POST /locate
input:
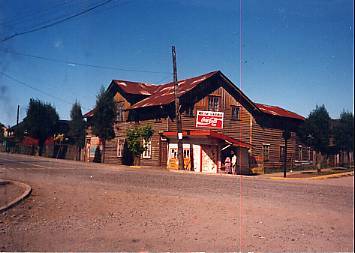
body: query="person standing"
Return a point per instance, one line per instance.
(227, 165)
(234, 163)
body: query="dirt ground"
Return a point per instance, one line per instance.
(75, 207)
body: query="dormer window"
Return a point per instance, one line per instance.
(213, 103)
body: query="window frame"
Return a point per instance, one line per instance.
(282, 152)
(120, 147)
(119, 111)
(233, 107)
(299, 153)
(189, 111)
(147, 154)
(212, 106)
(266, 158)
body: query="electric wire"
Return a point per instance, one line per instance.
(36, 89)
(74, 63)
(35, 29)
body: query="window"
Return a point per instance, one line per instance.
(310, 154)
(148, 151)
(186, 153)
(119, 111)
(282, 153)
(235, 112)
(213, 103)
(266, 152)
(299, 153)
(120, 146)
(189, 110)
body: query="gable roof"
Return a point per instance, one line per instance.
(157, 95)
(164, 94)
(278, 111)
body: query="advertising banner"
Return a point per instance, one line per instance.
(209, 119)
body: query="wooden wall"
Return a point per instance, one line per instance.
(248, 128)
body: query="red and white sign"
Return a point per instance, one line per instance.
(209, 119)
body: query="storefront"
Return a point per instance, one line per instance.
(206, 150)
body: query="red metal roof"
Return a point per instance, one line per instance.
(211, 134)
(165, 93)
(278, 111)
(136, 87)
(89, 114)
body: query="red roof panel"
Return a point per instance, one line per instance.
(278, 111)
(136, 87)
(165, 93)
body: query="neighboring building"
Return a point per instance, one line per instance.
(217, 117)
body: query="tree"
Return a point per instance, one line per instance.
(77, 128)
(1, 131)
(344, 133)
(316, 132)
(104, 117)
(137, 138)
(40, 121)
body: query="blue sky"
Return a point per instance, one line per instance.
(295, 54)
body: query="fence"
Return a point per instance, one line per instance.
(59, 151)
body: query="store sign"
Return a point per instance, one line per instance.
(209, 119)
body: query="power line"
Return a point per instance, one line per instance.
(56, 22)
(25, 16)
(36, 89)
(73, 63)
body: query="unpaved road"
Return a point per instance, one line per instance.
(86, 207)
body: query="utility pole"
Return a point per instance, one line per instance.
(286, 135)
(177, 113)
(18, 114)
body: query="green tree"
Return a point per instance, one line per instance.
(104, 117)
(1, 131)
(316, 132)
(77, 128)
(344, 133)
(40, 121)
(135, 137)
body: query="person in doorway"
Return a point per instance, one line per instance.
(234, 163)
(227, 165)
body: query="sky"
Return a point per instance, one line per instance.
(293, 54)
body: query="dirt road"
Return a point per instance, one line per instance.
(76, 206)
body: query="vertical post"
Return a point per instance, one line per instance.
(18, 114)
(177, 113)
(285, 158)
(286, 135)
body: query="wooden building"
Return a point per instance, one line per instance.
(217, 117)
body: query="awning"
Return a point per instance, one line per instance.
(208, 134)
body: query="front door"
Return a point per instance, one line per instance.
(163, 152)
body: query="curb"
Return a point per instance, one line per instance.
(337, 175)
(344, 174)
(24, 195)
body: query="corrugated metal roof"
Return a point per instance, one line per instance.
(165, 93)
(278, 111)
(136, 87)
